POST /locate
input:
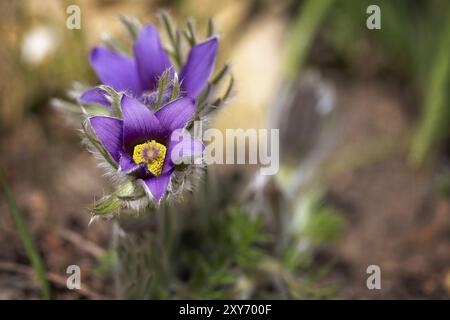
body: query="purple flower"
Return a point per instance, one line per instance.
(144, 143)
(138, 76)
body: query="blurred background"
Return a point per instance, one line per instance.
(364, 178)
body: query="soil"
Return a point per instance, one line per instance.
(395, 219)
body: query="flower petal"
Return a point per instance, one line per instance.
(109, 132)
(157, 186)
(151, 58)
(183, 148)
(199, 66)
(175, 114)
(116, 70)
(128, 166)
(139, 124)
(96, 96)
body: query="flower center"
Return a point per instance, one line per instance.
(152, 153)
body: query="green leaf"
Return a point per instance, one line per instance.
(433, 126)
(315, 221)
(110, 204)
(306, 24)
(161, 87)
(116, 45)
(132, 25)
(221, 74)
(191, 33)
(175, 87)
(30, 248)
(174, 37)
(188, 38)
(211, 28)
(107, 206)
(115, 98)
(220, 101)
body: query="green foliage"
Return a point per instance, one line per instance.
(115, 99)
(141, 268)
(434, 124)
(304, 29)
(174, 38)
(161, 87)
(105, 264)
(443, 184)
(313, 224)
(415, 40)
(215, 249)
(28, 243)
(198, 264)
(316, 222)
(232, 250)
(132, 25)
(110, 204)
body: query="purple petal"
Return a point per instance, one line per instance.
(199, 66)
(157, 186)
(183, 148)
(151, 58)
(95, 95)
(168, 165)
(116, 70)
(128, 166)
(109, 132)
(139, 124)
(175, 114)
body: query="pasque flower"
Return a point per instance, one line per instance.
(138, 76)
(147, 145)
(141, 133)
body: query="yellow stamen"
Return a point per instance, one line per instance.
(152, 153)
